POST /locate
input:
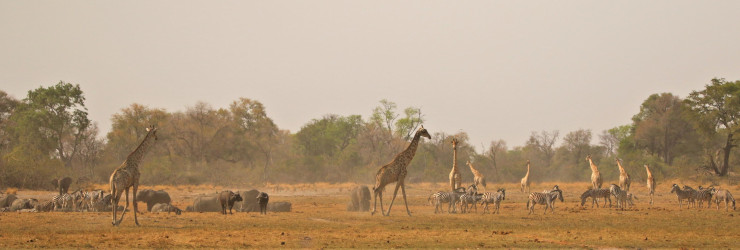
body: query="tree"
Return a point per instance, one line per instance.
(258, 129)
(717, 112)
(661, 126)
(543, 143)
(7, 107)
(54, 119)
(407, 125)
(611, 138)
(129, 127)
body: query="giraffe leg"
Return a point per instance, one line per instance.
(136, 186)
(403, 191)
(124, 208)
(375, 202)
(398, 185)
(114, 202)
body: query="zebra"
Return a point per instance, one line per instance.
(704, 194)
(445, 197)
(545, 198)
(467, 200)
(45, 207)
(693, 193)
(494, 198)
(682, 195)
(63, 201)
(595, 194)
(619, 194)
(723, 195)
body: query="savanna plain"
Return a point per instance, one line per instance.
(319, 220)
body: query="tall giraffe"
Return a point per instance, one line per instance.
(525, 180)
(395, 171)
(650, 183)
(127, 175)
(595, 175)
(624, 178)
(455, 179)
(478, 178)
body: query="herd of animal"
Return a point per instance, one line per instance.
(156, 201)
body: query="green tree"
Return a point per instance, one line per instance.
(129, 127)
(717, 113)
(610, 139)
(662, 128)
(54, 119)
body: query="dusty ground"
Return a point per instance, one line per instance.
(319, 220)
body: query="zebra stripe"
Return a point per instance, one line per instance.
(595, 194)
(682, 195)
(619, 194)
(545, 198)
(440, 198)
(704, 194)
(724, 195)
(494, 198)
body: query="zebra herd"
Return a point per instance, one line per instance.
(701, 195)
(79, 201)
(466, 200)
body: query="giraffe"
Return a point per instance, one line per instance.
(624, 178)
(127, 175)
(595, 175)
(650, 183)
(525, 180)
(455, 179)
(478, 179)
(395, 171)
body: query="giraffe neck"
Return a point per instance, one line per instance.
(141, 150)
(527, 175)
(621, 169)
(649, 174)
(454, 159)
(472, 169)
(410, 151)
(593, 167)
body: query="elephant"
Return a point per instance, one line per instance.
(250, 202)
(281, 206)
(206, 204)
(62, 184)
(359, 199)
(20, 204)
(152, 197)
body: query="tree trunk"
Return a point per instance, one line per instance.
(724, 169)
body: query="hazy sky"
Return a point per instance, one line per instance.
(494, 69)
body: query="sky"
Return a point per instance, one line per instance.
(493, 69)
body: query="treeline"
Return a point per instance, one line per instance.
(48, 134)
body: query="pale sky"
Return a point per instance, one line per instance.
(494, 69)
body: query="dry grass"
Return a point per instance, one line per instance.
(318, 220)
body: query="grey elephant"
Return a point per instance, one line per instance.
(359, 199)
(206, 204)
(62, 184)
(152, 197)
(7, 200)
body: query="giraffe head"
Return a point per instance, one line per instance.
(588, 158)
(454, 142)
(423, 132)
(467, 163)
(151, 131)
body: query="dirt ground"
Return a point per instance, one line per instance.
(319, 220)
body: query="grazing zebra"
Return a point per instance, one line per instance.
(682, 195)
(595, 194)
(704, 194)
(494, 198)
(467, 200)
(445, 197)
(723, 195)
(545, 198)
(619, 194)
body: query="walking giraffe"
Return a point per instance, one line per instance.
(395, 171)
(595, 175)
(650, 183)
(624, 178)
(127, 175)
(478, 179)
(455, 179)
(525, 180)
